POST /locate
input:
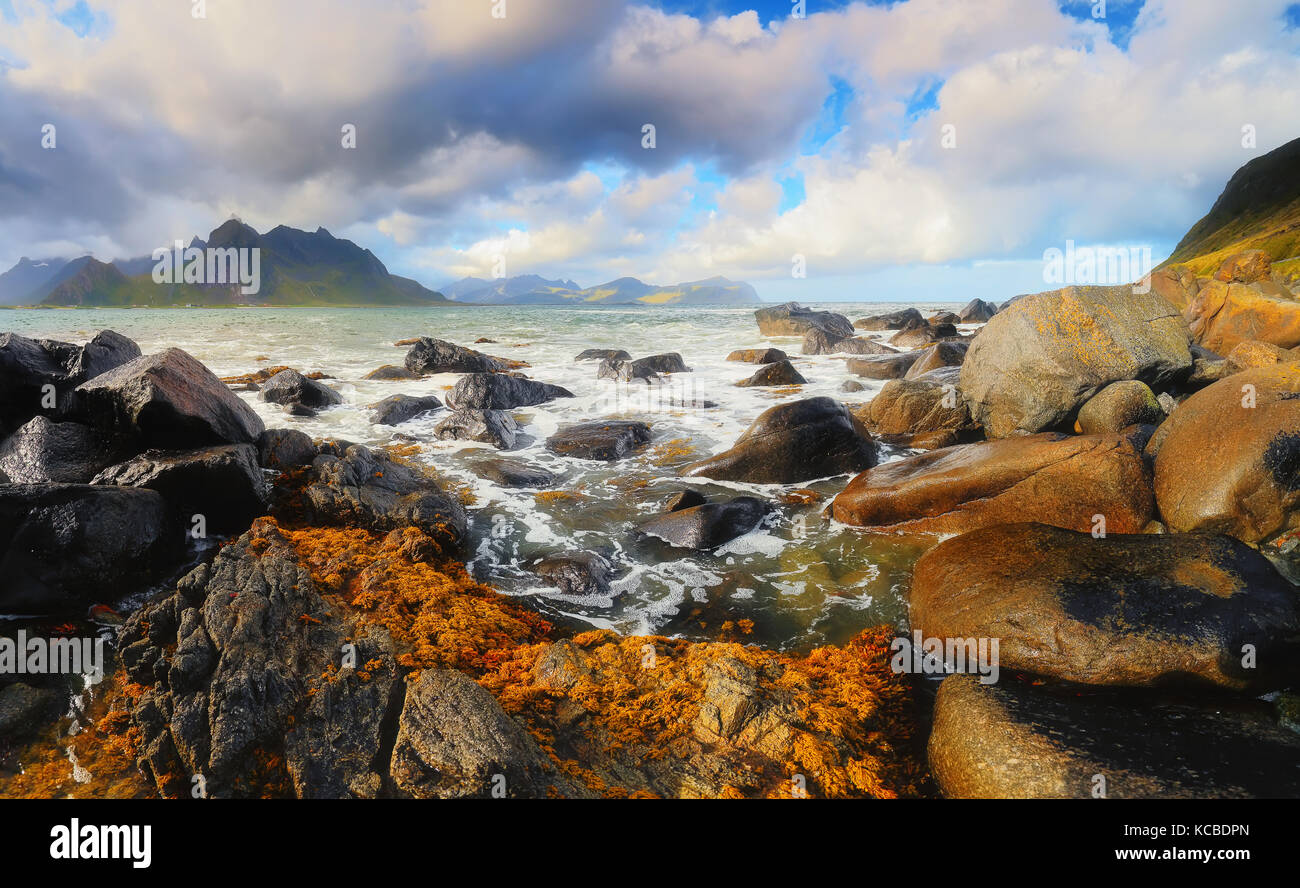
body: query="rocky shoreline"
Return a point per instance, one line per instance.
(1101, 479)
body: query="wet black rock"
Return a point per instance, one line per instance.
(63, 545)
(291, 387)
(514, 473)
(43, 450)
(576, 573)
(606, 440)
(439, 356)
(800, 441)
(904, 319)
(684, 500)
(284, 449)
(708, 526)
(780, 373)
(670, 362)
(224, 484)
(495, 427)
(397, 409)
(622, 370)
(168, 400)
(494, 391)
(603, 354)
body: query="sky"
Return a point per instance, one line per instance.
(822, 151)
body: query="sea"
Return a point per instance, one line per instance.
(799, 581)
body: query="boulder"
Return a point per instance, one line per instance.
(624, 371)
(495, 427)
(670, 362)
(606, 440)
(390, 372)
(603, 354)
(780, 373)
(684, 499)
(977, 311)
(1013, 740)
(1051, 478)
(944, 318)
(43, 450)
(1134, 610)
(818, 342)
(284, 449)
(25, 370)
(514, 473)
(429, 356)
(1245, 268)
(223, 484)
(883, 366)
(495, 391)
(800, 441)
(454, 741)
(1223, 315)
(25, 710)
(904, 319)
(1207, 367)
(575, 573)
(707, 526)
(1253, 353)
(757, 355)
(1118, 406)
(107, 350)
(63, 545)
(370, 489)
(914, 406)
(941, 354)
(291, 387)
(920, 337)
(397, 409)
(849, 386)
(1036, 362)
(168, 400)
(792, 319)
(1228, 458)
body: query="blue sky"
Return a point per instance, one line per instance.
(521, 139)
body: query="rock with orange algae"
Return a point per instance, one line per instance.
(455, 741)
(257, 682)
(1036, 362)
(370, 489)
(649, 716)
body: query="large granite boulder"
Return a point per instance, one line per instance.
(937, 356)
(977, 311)
(1036, 362)
(397, 409)
(1052, 478)
(63, 546)
(1224, 314)
(1118, 406)
(291, 387)
(495, 427)
(792, 319)
(1013, 740)
(32, 381)
(168, 400)
(883, 366)
(1228, 459)
(780, 373)
(914, 406)
(904, 319)
(801, 441)
(1122, 609)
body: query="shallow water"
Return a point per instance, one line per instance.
(802, 579)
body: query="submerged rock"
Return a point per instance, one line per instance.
(1123, 609)
(494, 391)
(495, 427)
(708, 526)
(577, 573)
(514, 473)
(606, 440)
(428, 356)
(397, 409)
(1013, 740)
(603, 354)
(780, 373)
(291, 387)
(800, 441)
(391, 371)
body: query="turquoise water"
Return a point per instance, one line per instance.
(802, 580)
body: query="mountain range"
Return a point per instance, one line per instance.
(296, 268)
(533, 290)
